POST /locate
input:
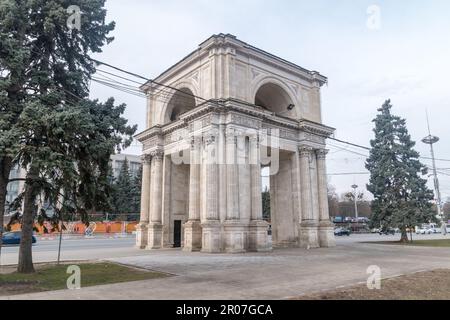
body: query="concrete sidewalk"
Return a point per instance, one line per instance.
(280, 274)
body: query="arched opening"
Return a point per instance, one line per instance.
(182, 101)
(275, 99)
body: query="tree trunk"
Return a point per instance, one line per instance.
(5, 168)
(25, 264)
(404, 237)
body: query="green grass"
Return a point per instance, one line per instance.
(421, 243)
(54, 277)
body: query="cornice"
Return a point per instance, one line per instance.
(227, 40)
(148, 133)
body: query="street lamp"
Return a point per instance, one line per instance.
(356, 204)
(432, 140)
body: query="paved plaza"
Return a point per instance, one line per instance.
(280, 274)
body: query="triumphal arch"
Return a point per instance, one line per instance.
(214, 120)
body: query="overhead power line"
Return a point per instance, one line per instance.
(128, 89)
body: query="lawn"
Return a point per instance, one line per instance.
(422, 243)
(427, 285)
(54, 277)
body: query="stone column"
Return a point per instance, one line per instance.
(258, 237)
(142, 227)
(234, 233)
(192, 228)
(326, 228)
(308, 226)
(156, 187)
(211, 223)
(232, 176)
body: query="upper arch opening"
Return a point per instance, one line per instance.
(274, 98)
(181, 102)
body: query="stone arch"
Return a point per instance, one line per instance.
(182, 100)
(275, 96)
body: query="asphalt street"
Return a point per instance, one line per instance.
(280, 274)
(75, 249)
(101, 248)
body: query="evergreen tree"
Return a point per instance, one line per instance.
(401, 197)
(136, 193)
(123, 189)
(63, 139)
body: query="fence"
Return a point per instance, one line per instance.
(93, 228)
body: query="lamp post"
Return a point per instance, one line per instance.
(432, 140)
(356, 203)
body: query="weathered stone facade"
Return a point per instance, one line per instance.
(235, 110)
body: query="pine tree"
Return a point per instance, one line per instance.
(401, 197)
(53, 130)
(136, 192)
(123, 191)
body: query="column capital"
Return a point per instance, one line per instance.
(321, 153)
(230, 137)
(209, 139)
(254, 138)
(195, 142)
(157, 154)
(305, 151)
(146, 158)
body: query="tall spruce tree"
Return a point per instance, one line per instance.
(136, 192)
(401, 196)
(123, 191)
(53, 130)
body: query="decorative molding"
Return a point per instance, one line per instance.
(321, 154)
(305, 151)
(146, 158)
(245, 121)
(209, 139)
(157, 154)
(231, 137)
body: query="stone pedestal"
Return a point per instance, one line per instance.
(141, 235)
(258, 239)
(211, 236)
(308, 232)
(235, 234)
(154, 236)
(326, 234)
(192, 236)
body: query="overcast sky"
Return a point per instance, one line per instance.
(404, 58)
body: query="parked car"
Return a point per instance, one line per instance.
(342, 232)
(362, 220)
(337, 219)
(10, 238)
(425, 231)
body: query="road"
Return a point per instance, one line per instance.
(75, 249)
(280, 274)
(102, 248)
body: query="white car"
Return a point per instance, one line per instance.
(425, 231)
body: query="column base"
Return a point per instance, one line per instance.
(235, 234)
(192, 236)
(211, 236)
(154, 236)
(258, 238)
(326, 234)
(142, 235)
(308, 232)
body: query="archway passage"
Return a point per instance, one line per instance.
(272, 97)
(181, 102)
